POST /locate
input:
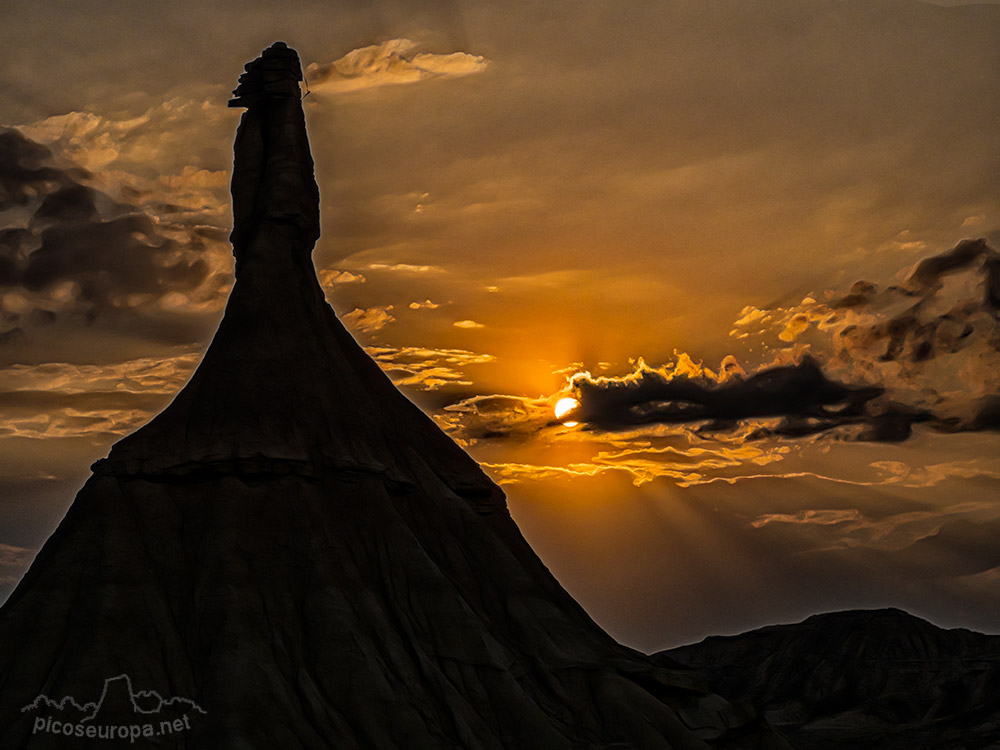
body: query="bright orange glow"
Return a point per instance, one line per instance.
(565, 405)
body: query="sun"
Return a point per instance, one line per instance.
(565, 405)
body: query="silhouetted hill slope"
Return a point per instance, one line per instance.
(861, 679)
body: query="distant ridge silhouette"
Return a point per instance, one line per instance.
(880, 679)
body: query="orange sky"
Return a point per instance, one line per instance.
(510, 198)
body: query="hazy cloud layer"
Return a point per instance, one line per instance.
(59, 400)
(159, 375)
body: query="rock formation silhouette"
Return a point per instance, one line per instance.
(296, 547)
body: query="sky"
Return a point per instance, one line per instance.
(756, 243)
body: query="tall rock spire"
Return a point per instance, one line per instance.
(275, 198)
(292, 555)
(284, 387)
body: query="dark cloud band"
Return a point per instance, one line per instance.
(801, 393)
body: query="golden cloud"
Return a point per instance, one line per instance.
(389, 63)
(58, 400)
(144, 375)
(330, 278)
(675, 455)
(403, 267)
(368, 320)
(427, 369)
(820, 517)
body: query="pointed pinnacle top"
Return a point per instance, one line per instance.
(273, 75)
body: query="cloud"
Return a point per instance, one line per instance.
(931, 474)
(86, 137)
(368, 320)
(26, 170)
(492, 416)
(108, 260)
(689, 458)
(147, 146)
(425, 305)
(58, 400)
(467, 324)
(643, 463)
(901, 531)
(800, 393)
(403, 267)
(14, 556)
(69, 249)
(930, 343)
(875, 359)
(392, 62)
(527, 427)
(428, 369)
(145, 375)
(820, 517)
(330, 277)
(512, 473)
(43, 415)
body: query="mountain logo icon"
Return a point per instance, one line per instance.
(121, 712)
